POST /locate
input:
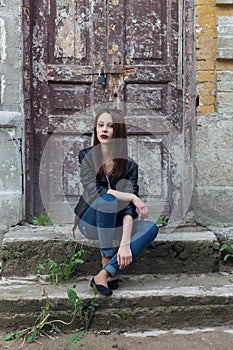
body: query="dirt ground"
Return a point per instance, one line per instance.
(205, 339)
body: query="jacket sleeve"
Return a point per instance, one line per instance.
(131, 187)
(92, 187)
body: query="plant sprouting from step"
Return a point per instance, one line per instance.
(123, 315)
(162, 220)
(61, 272)
(42, 220)
(44, 326)
(227, 248)
(84, 313)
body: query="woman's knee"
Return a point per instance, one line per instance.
(107, 203)
(145, 228)
(108, 197)
(153, 229)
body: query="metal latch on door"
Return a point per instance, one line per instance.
(102, 80)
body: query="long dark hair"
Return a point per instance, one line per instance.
(120, 147)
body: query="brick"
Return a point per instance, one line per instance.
(206, 109)
(204, 52)
(224, 103)
(224, 53)
(206, 89)
(225, 79)
(225, 92)
(225, 20)
(205, 2)
(220, 2)
(204, 40)
(224, 10)
(224, 65)
(225, 37)
(206, 16)
(203, 32)
(205, 65)
(207, 100)
(204, 76)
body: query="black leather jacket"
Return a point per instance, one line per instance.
(97, 185)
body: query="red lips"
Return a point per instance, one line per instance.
(104, 137)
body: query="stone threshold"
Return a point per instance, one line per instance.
(145, 301)
(24, 247)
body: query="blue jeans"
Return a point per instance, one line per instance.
(100, 221)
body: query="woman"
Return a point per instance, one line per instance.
(109, 206)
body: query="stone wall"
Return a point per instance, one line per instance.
(213, 195)
(11, 115)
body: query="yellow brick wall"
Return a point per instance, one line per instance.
(207, 64)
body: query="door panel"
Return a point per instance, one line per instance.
(66, 98)
(73, 26)
(146, 23)
(134, 46)
(151, 96)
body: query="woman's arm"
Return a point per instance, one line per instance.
(128, 192)
(124, 254)
(130, 197)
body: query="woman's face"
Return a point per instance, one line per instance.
(104, 128)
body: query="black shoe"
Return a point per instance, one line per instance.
(101, 289)
(113, 284)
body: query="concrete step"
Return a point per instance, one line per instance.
(141, 302)
(24, 247)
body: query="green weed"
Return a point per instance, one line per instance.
(162, 220)
(228, 249)
(43, 325)
(63, 271)
(84, 313)
(123, 315)
(42, 220)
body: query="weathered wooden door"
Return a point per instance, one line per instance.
(87, 53)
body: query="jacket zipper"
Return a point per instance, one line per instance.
(109, 185)
(107, 178)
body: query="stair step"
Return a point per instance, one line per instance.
(24, 247)
(141, 302)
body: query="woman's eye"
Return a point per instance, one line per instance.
(100, 125)
(111, 125)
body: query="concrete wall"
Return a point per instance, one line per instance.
(213, 195)
(11, 115)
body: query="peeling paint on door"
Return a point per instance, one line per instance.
(69, 27)
(2, 40)
(2, 88)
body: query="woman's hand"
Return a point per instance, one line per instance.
(124, 256)
(141, 206)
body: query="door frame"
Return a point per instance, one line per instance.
(186, 69)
